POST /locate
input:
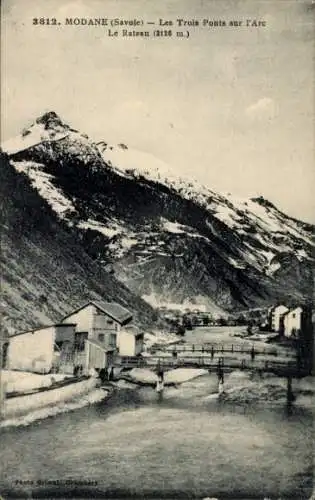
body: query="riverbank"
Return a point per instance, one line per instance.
(15, 381)
(24, 409)
(46, 401)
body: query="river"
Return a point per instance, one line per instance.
(186, 445)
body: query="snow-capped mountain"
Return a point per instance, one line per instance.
(167, 237)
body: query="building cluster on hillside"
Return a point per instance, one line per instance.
(87, 338)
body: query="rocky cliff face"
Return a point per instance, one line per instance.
(166, 238)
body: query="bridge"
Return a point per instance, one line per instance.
(220, 366)
(161, 363)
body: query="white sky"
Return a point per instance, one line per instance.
(232, 106)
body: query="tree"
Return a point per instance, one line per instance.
(222, 321)
(206, 320)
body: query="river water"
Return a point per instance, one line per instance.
(187, 444)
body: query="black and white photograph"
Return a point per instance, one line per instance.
(157, 249)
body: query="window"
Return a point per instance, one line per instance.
(101, 337)
(79, 341)
(293, 315)
(110, 322)
(62, 346)
(57, 346)
(112, 340)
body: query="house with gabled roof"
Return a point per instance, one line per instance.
(297, 321)
(99, 321)
(275, 318)
(292, 322)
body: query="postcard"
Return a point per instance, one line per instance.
(157, 247)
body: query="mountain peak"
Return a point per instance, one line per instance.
(47, 127)
(51, 120)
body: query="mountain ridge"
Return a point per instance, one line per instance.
(181, 240)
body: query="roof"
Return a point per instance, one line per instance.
(280, 305)
(38, 328)
(116, 311)
(101, 346)
(293, 310)
(133, 330)
(112, 309)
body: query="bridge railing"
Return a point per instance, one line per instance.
(216, 348)
(259, 365)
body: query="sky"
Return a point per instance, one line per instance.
(232, 107)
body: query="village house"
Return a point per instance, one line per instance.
(292, 322)
(130, 341)
(275, 318)
(100, 322)
(296, 321)
(39, 349)
(87, 338)
(97, 336)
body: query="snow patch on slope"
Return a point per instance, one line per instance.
(226, 215)
(108, 231)
(42, 182)
(135, 163)
(173, 227)
(273, 267)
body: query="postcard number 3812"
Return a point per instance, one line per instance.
(52, 21)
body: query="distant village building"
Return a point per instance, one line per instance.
(276, 315)
(293, 322)
(130, 341)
